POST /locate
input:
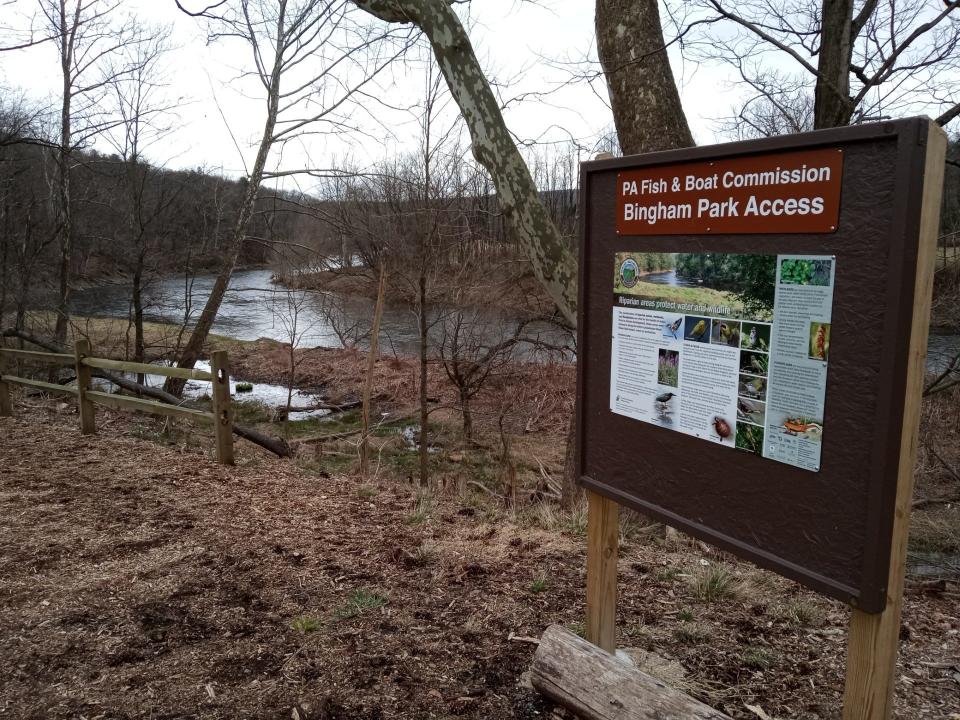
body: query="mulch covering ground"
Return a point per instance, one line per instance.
(140, 580)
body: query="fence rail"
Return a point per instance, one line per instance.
(83, 363)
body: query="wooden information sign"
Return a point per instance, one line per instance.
(756, 379)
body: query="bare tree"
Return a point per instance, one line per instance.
(860, 59)
(85, 36)
(146, 192)
(472, 348)
(309, 57)
(289, 310)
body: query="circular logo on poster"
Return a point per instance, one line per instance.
(629, 272)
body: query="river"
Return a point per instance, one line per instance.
(254, 308)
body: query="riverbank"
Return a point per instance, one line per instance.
(532, 402)
(509, 286)
(113, 338)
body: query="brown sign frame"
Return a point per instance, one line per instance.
(781, 518)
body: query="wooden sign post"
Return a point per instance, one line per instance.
(874, 638)
(761, 385)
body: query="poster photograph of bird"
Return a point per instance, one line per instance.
(752, 387)
(754, 363)
(751, 410)
(725, 332)
(750, 438)
(697, 329)
(663, 407)
(673, 328)
(755, 336)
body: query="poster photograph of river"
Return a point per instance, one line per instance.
(723, 284)
(737, 344)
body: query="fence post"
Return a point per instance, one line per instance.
(88, 420)
(6, 407)
(222, 413)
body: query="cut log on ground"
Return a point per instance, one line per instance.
(599, 686)
(278, 446)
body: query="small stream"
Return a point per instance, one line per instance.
(274, 396)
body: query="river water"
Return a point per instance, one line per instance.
(254, 308)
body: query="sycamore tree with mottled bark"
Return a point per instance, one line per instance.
(646, 108)
(551, 257)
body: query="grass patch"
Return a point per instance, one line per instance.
(306, 624)
(757, 658)
(424, 554)
(243, 387)
(251, 412)
(577, 628)
(340, 422)
(690, 634)
(668, 574)
(360, 601)
(365, 492)
(712, 583)
(576, 521)
(936, 529)
(539, 583)
(685, 615)
(422, 507)
(802, 612)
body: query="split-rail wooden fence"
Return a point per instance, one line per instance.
(84, 363)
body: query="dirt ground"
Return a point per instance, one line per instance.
(141, 580)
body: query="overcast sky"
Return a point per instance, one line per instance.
(512, 40)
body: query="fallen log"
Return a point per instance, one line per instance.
(349, 433)
(278, 446)
(599, 686)
(281, 413)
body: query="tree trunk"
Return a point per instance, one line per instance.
(139, 346)
(64, 213)
(290, 381)
(4, 270)
(570, 491)
(832, 104)
(467, 415)
(191, 352)
(368, 381)
(424, 413)
(643, 95)
(646, 108)
(553, 261)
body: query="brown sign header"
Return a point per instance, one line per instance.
(795, 192)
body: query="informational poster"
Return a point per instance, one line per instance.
(729, 348)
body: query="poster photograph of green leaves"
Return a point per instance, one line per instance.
(717, 284)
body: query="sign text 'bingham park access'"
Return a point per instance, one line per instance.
(796, 192)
